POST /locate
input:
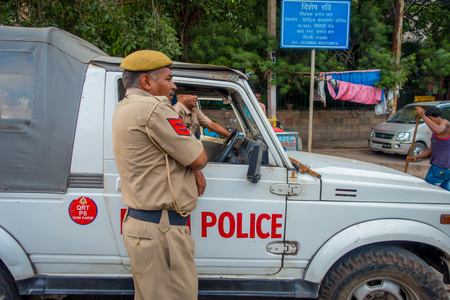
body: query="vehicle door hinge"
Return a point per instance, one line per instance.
(287, 189)
(288, 248)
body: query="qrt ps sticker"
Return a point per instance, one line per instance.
(83, 210)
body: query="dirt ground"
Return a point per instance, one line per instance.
(359, 150)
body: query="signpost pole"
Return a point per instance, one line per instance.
(271, 88)
(311, 98)
(315, 24)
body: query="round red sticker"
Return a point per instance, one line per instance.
(83, 210)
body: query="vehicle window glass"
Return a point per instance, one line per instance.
(406, 115)
(248, 120)
(446, 113)
(16, 90)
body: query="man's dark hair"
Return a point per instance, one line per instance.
(433, 112)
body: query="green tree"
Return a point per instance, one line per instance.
(233, 33)
(118, 29)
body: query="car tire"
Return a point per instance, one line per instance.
(377, 152)
(381, 272)
(419, 148)
(8, 288)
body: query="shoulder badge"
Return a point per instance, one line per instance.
(178, 126)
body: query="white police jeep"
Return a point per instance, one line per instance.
(271, 222)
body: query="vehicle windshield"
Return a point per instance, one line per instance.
(247, 119)
(406, 115)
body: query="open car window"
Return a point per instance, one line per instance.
(248, 135)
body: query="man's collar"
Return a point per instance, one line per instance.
(184, 108)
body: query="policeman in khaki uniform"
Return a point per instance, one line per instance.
(159, 163)
(193, 117)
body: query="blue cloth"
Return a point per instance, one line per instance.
(210, 133)
(437, 175)
(367, 77)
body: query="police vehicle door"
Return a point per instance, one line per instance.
(238, 226)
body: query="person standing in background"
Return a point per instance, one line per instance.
(439, 172)
(258, 97)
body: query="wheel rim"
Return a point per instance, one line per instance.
(418, 149)
(383, 289)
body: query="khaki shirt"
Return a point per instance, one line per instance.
(141, 165)
(192, 119)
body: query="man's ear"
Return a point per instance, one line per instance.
(146, 82)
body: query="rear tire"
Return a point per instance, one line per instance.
(8, 288)
(381, 272)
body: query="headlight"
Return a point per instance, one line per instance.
(402, 136)
(372, 133)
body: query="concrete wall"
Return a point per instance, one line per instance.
(327, 124)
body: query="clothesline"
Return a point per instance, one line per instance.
(353, 86)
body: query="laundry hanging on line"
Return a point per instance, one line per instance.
(356, 86)
(321, 88)
(355, 92)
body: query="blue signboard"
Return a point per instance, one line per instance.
(315, 24)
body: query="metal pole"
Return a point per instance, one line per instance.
(311, 98)
(413, 141)
(272, 29)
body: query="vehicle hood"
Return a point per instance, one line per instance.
(394, 127)
(346, 179)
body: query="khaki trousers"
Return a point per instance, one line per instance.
(162, 259)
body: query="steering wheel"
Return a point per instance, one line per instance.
(224, 151)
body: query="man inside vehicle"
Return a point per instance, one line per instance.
(193, 117)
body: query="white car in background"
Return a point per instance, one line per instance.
(396, 134)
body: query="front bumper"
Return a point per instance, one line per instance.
(389, 146)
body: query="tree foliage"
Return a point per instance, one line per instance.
(233, 33)
(116, 28)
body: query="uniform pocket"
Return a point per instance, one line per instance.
(139, 240)
(140, 232)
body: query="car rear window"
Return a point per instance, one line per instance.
(16, 90)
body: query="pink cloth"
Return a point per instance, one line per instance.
(356, 93)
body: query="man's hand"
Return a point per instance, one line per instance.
(410, 159)
(200, 181)
(420, 111)
(218, 129)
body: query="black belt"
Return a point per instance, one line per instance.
(154, 216)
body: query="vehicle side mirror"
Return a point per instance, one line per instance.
(254, 165)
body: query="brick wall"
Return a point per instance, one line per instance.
(327, 124)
